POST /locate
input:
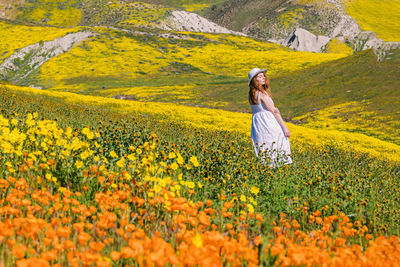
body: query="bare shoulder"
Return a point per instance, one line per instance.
(265, 96)
(267, 100)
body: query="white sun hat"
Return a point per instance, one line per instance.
(254, 72)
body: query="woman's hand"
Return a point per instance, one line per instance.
(286, 132)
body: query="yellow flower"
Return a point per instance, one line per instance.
(191, 185)
(243, 198)
(48, 176)
(113, 154)
(157, 188)
(131, 157)
(62, 189)
(171, 155)
(127, 175)
(180, 160)
(199, 185)
(197, 241)
(194, 160)
(254, 190)
(250, 208)
(252, 201)
(85, 155)
(89, 134)
(174, 166)
(79, 164)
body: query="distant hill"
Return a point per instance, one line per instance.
(360, 24)
(106, 58)
(340, 24)
(71, 13)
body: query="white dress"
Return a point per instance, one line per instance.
(268, 138)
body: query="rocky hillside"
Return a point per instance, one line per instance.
(339, 26)
(315, 26)
(150, 16)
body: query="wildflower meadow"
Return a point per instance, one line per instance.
(125, 140)
(89, 185)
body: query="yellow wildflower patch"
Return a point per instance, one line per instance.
(232, 121)
(381, 17)
(14, 36)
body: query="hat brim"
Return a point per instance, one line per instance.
(255, 74)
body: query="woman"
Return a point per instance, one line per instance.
(269, 132)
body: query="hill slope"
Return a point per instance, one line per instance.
(348, 20)
(115, 58)
(373, 85)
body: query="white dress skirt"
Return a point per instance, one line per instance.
(269, 141)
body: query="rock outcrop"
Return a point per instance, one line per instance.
(303, 40)
(186, 21)
(31, 57)
(344, 28)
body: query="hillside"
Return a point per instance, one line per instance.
(150, 16)
(368, 88)
(120, 60)
(357, 23)
(326, 26)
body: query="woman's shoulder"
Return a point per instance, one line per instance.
(264, 95)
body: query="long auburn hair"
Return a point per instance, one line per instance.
(255, 86)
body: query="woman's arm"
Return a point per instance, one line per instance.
(267, 101)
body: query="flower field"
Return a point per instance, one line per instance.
(353, 117)
(92, 181)
(51, 12)
(212, 119)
